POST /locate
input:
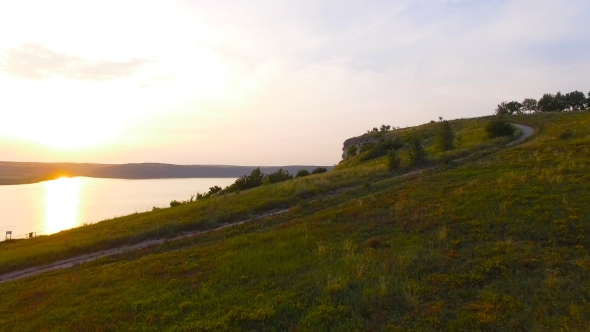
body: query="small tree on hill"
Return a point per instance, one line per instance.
(214, 191)
(499, 128)
(529, 105)
(575, 100)
(416, 148)
(279, 176)
(502, 109)
(393, 160)
(445, 137)
(514, 107)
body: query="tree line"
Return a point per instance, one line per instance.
(255, 179)
(571, 101)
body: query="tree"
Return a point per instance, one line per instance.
(514, 107)
(214, 191)
(416, 148)
(255, 178)
(547, 103)
(385, 127)
(560, 102)
(529, 105)
(393, 160)
(445, 137)
(499, 128)
(279, 176)
(246, 181)
(576, 100)
(301, 173)
(502, 109)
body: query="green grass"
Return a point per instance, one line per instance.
(496, 242)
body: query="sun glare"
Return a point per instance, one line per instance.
(62, 197)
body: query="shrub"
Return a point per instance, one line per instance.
(175, 203)
(319, 170)
(416, 148)
(374, 242)
(567, 135)
(499, 128)
(279, 176)
(301, 173)
(367, 146)
(380, 149)
(246, 181)
(352, 151)
(214, 191)
(393, 160)
(445, 137)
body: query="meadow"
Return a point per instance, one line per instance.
(484, 238)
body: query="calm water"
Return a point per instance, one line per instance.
(51, 206)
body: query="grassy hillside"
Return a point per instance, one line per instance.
(495, 241)
(218, 211)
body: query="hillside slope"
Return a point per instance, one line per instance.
(494, 240)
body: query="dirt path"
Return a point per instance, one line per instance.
(526, 133)
(69, 262)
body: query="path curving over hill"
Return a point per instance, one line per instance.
(70, 262)
(526, 133)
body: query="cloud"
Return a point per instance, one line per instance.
(34, 61)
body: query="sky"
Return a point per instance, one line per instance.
(266, 82)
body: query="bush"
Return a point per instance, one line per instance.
(279, 176)
(445, 137)
(567, 135)
(352, 151)
(393, 160)
(175, 203)
(301, 173)
(499, 128)
(319, 170)
(416, 148)
(367, 146)
(374, 242)
(246, 182)
(380, 149)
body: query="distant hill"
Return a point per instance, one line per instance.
(22, 172)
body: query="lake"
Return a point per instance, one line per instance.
(52, 206)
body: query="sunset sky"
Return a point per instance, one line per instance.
(266, 82)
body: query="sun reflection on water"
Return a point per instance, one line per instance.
(62, 197)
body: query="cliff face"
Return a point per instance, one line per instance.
(358, 142)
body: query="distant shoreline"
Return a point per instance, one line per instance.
(15, 173)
